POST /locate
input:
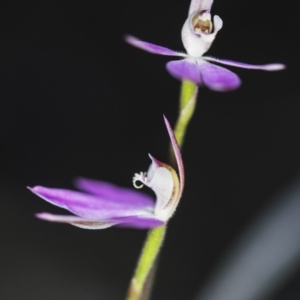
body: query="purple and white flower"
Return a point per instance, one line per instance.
(103, 204)
(198, 33)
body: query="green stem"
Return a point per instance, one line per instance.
(188, 100)
(141, 283)
(146, 262)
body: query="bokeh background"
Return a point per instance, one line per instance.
(76, 100)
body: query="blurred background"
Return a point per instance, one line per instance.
(76, 100)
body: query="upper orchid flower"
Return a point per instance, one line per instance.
(198, 33)
(104, 204)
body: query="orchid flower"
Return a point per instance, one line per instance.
(103, 204)
(197, 34)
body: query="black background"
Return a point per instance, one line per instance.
(75, 99)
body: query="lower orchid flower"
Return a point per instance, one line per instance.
(197, 34)
(103, 204)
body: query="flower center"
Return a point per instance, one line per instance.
(202, 23)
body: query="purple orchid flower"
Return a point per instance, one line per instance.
(102, 205)
(197, 34)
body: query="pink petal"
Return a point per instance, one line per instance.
(112, 192)
(184, 70)
(152, 48)
(268, 67)
(90, 206)
(217, 78)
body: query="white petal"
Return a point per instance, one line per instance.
(197, 43)
(200, 5)
(153, 166)
(192, 42)
(218, 24)
(162, 184)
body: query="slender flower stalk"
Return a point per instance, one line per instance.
(141, 283)
(142, 278)
(188, 98)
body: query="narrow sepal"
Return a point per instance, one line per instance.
(152, 48)
(267, 67)
(76, 221)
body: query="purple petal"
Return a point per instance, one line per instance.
(200, 5)
(111, 192)
(217, 78)
(76, 221)
(89, 206)
(184, 70)
(139, 222)
(268, 67)
(152, 48)
(177, 155)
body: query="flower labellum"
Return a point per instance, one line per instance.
(101, 204)
(198, 33)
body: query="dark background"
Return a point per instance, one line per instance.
(76, 100)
